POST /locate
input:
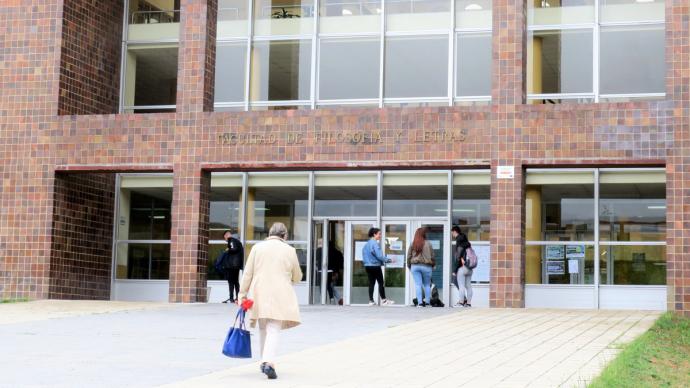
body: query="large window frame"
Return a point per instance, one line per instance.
(126, 43)
(595, 27)
(597, 243)
(316, 36)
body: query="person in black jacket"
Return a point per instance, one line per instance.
(459, 254)
(232, 264)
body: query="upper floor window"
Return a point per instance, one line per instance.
(578, 55)
(362, 52)
(150, 47)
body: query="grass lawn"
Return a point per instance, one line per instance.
(13, 300)
(658, 358)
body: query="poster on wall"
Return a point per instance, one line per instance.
(555, 267)
(359, 245)
(397, 261)
(396, 245)
(575, 251)
(555, 252)
(483, 270)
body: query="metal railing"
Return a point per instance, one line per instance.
(155, 17)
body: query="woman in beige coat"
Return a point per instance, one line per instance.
(272, 268)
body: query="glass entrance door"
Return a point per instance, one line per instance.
(438, 235)
(328, 262)
(357, 234)
(396, 237)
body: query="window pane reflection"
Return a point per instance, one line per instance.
(638, 265)
(231, 62)
(407, 58)
(281, 70)
(632, 59)
(473, 65)
(283, 17)
(349, 68)
(272, 200)
(559, 61)
(348, 16)
(417, 15)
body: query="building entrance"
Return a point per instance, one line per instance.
(337, 274)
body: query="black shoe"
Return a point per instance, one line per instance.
(424, 304)
(269, 371)
(226, 300)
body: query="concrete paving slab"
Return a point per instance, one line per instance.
(111, 344)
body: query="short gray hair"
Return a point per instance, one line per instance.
(278, 229)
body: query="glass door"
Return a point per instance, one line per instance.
(437, 234)
(357, 234)
(396, 239)
(317, 292)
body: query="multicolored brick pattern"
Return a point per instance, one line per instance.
(82, 241)
(678, 163)
(90, 57)
(36, 141)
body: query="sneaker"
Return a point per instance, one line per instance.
(387, 302)
(372, 303)
(468, 305)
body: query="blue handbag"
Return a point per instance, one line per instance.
(237, 343)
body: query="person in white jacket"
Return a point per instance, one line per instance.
(272, 268)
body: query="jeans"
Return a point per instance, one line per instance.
(375, 276)
(465, 283)
(422, 277)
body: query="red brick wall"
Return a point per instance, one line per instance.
(90, 57)
(81, 253)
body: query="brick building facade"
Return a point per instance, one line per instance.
(61, 141)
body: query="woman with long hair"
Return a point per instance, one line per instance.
(420, 261)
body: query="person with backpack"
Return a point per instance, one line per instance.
(420, 262)
(466, 262)
(230, 263)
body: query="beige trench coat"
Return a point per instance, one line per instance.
(272, 268)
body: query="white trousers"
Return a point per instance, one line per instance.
(269, 331)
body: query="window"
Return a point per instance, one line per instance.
(632, 227)
(150, 57)
(407, 57)
(559, 227)
(349, 69)
(231, 64)
(298, 58)
(561, 231)
(347, 195)
(144, 224)
(628, 37)
(415, 195)
(281, 70)
(279, 198)
(473, 65)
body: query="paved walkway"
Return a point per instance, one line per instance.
(471, 348)
(106, 344)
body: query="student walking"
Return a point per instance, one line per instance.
(373, 259)
(233, 264)
(420, 261)
(462, 270)
(272, 269)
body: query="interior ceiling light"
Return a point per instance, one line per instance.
(347, 12)
(473, 7)
(644, 1)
